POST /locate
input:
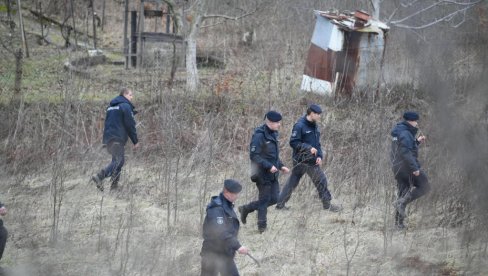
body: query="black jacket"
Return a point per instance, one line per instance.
(220, 227)
(304, 136)
(1, 221)
(119, 122)
(404, 148)
(264, 151)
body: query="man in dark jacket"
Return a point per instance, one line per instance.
(307, 158)
(220, 229)
(3, 231)
(119, 127)
(264, 154)
(406, 167)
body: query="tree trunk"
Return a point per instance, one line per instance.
(93, 25)
(194, 21)
(191, 60)
(22, 31)
(376, 9)
(19, 55)
(74, 22)
(17, 99)
(103, 14)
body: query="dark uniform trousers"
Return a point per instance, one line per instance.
(315, 173)
(405, 180)
(215, 263)
(269, 190)
(117, 150)
(3, 238)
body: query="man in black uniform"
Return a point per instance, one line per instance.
(3, 230)
(264, 154)
(307, 158)
(220, 230)
(406, 167)
(119, 126)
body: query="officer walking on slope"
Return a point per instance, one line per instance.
(119, 126)
(220, 229)
(405, 165)
(264, 154)
(307, 158)
(3, 232)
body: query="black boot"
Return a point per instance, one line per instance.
(115, 182)
(262, 225)
(331, 207)
(401, 204)
(244, 214)
(98, 179)
(282, 207)
(399, 222)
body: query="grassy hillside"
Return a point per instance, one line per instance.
(60, 224)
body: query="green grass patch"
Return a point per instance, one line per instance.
(39, 79)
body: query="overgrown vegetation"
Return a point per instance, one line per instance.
(191, 142)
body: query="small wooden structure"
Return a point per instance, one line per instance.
(346, 51)
(147, 9)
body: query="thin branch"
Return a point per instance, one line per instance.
(207, 16)
(406, 5)
(415, 13)
(372, 4)
(470, 4)
(392, 14)
(191, 6)
(225, 17)
(212, 25)
(445, 18)
(461, 22)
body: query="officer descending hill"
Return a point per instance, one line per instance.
(3, 234)
(412, 182)
(264, 154)
(220, 229)
(307, 158)
(119, 126)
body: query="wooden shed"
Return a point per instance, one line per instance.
(346, 52)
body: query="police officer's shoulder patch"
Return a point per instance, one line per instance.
(253, 148)
(220, 220)
(294, 133)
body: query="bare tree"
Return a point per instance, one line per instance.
(198, 12)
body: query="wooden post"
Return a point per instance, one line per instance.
(39, 9)
(22, 32)
(94, 25)
(74, 23)
(168, 22)
(103, 13)
(126, 50)
(140, 29)
(133, 38)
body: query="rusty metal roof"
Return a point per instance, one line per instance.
(358, 21)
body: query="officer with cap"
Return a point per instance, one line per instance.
(264, 154)
(220, 229)
(406, 167)
(307, 158)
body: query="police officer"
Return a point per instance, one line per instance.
(307, 158)
(119, 126)
(3, 231)
(406, 167)
(220, 230)
(264, 154)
